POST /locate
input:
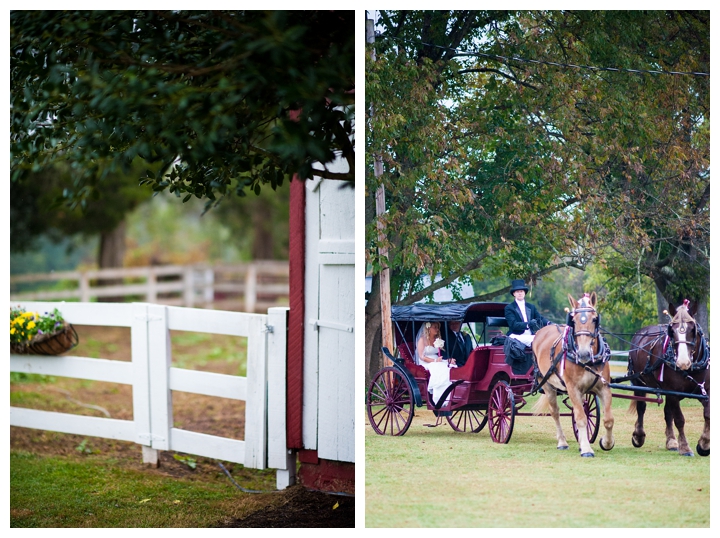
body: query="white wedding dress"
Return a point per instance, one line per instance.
(439, 371)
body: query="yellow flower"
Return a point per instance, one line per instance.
(31, 325)
(12, 330)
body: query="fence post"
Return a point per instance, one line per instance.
(251, 288)
(209, 290)
(151, 279)
(84, 287)
(255, 405)
(278, 455)
(141, 382)
(159, 361)
(189, 286)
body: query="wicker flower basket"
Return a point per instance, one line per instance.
(48, 344)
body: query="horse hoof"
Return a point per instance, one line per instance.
(673, 449)
(566, 447)
(689, 454)
(701, 451)
(603, 446)
(637, 443)
(587, 455)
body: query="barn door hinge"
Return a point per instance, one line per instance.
(317, 323)
(268, 328)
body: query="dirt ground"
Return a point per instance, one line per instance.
(294, 507)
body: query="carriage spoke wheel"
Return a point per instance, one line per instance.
(592, 413)
(501, 412)
(472, 420)
(390, 405)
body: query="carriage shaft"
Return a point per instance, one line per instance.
(654, 391)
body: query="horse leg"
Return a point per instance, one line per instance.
(703, 446)
(607, 442)
(638, 436)
(576, 398)
(683, 446)
(671, 442)
(551, 395)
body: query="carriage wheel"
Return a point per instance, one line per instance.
(501, 412)
(390, 405)
(592, 413)
(465, 420)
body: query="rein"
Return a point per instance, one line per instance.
(569, 351)
(603, 353)
(668, 358)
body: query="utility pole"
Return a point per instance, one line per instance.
(387, 339)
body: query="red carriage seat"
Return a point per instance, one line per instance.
(416, 370)
(475, 367)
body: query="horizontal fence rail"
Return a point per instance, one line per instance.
(153, 378)
(250, 287)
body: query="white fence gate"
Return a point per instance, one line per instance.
(153, 378)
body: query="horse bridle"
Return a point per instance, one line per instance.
(697, 363)
(603, 351)
(569, 350)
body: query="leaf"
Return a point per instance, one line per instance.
(336, 505)
(144, 501)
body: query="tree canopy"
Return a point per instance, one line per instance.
(518, 142)
(222, 101)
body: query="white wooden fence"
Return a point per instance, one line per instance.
(153, 378)
(250, 287)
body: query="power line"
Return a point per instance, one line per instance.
(546, 62)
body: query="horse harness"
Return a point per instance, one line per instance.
(702, 362)
(569, 352)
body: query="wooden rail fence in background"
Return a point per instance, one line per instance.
(248, 287)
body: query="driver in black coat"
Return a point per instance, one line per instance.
(523, 318)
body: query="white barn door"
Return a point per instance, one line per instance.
(329, 370)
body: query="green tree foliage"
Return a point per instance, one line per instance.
(544, 163)
(36, 211)
(501, 163)
(223, 101)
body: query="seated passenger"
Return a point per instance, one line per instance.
(459, 345)
(428, 354)
(523, 318)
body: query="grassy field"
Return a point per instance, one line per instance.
(436, 477)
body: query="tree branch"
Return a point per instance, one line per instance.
(491, 70)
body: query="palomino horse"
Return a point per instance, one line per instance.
(674, 358)
(574, 358)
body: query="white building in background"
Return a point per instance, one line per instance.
(443, 295)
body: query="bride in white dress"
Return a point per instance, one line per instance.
(428, 354)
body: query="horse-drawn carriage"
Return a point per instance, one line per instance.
(570, 360)
(485, 389)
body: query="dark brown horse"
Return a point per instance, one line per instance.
(675, 358)
(574, 358)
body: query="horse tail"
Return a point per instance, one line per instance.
(632, 410)
(542, 406)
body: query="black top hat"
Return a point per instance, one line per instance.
(518, 285)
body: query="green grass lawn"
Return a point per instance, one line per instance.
(435, 477)
(48, 491)
(60, 480)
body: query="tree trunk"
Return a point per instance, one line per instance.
(373, 332)
(662, 304)
(262, 221)
(112, 254)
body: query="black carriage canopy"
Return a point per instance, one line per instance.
(467, 312)
(407, 319)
